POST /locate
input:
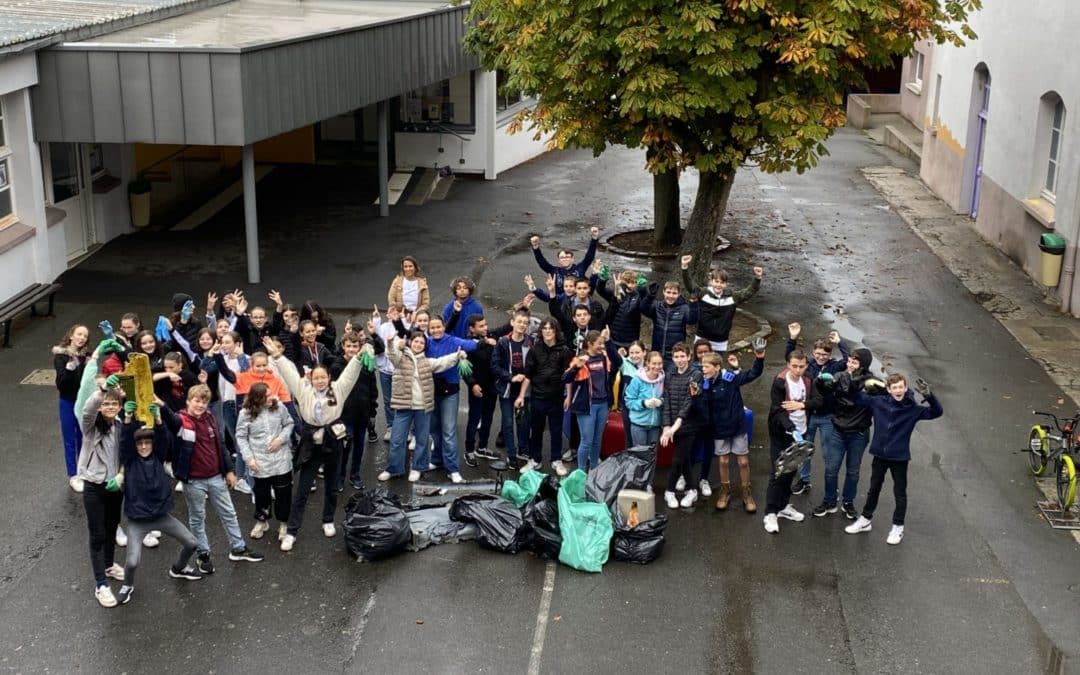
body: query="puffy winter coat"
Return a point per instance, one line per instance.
(412, 371)
(624, 311)
(254, 435)
(669, 321)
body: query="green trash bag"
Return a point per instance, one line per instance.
(585, 526)
(522, 491)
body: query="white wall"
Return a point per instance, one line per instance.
(415, 149)
(511, 150)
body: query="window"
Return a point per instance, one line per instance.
(505, 97)
(7, 205)
(920, 63)
(1057, 124)
(442, 104)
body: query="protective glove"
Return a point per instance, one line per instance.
(129, 407)
(155, 410)
(826, 377)
(112, 381)
(642, 280)
(605, 273)
(107, 330)
(464, 368)
(108, 346)
(922, 386)
(161, 331)
(759, 345)
(653, 403)
(797, 436)
(873, 383)
(187, 310)
(115, 484)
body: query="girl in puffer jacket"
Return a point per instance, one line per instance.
(262, 437)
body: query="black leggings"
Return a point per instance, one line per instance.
(329, 460)
(281, 502)
(102, 518)
(778, 493)
(899, 487)
(683, 465)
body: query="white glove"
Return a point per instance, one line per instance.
(653, 403)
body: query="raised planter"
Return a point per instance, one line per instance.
(638, 244)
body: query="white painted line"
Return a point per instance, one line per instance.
(542, 619)
(396, 187)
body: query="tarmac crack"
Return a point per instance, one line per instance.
(358, 630)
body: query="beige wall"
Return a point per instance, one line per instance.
(913, 97)
(1003, 222)
(942, 167)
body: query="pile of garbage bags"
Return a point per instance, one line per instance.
(576, 521)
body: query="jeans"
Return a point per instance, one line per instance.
(847, 445)
(281, 501)
(228, 430)
(69, 429)
(592, 433)
(877, 478)
(778, 493)
(136, 530)
(196, 492)
(815, 423)
(481, 415)
(102, 518)
(549, 411)
(444, 432)
(329, 462)
(419, 421)
(386, 384)
(354, 448)
(644, 435)
(515, 445)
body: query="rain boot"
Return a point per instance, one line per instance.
(725, 496)
(748, 498)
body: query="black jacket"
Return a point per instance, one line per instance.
(147, 489)
(544, 368)
(848, 415)
(563, 312)
(623, 313)
(69, 370)
(717, 312)
(482, 374)
(780, 424)
(683, 399)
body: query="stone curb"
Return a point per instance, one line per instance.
(605, 241)
(764, 330)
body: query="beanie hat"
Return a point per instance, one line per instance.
(864, 357)
(178, 301)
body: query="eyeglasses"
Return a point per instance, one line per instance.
(818, 352)
(110, 404)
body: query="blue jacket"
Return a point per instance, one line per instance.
(669, 321)
(579, 269)
(457, 323)
(895, 420)
(147, 489)
(623, 313)
(723, 396)
(447, 344)
(636, 393)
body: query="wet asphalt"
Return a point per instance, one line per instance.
(980, 583)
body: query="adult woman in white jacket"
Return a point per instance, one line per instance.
(262, 437)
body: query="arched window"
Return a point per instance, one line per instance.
(1055, 110)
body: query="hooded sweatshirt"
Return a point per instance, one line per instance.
(848, 415)
(641, 389)
(147, 489)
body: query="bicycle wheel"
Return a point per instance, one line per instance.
(1066, 482)
(1038, 450)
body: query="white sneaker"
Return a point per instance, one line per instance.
(114, 571)
(681, 485)
(791, 513)
(670, 500)
(77, 484)
(179, 487)
(282, 530)
(688, 499)
(152, 539)
(105, 597)
(455, 477)
(431, 467)
(169, 470)
(328, 529)
(772, 526)
(121, 537)
(895, 535)
(287, 542)
(862, 524)
(705, 489)
(649, 489)
(529, 466)
(384, 476)
(242, 486)
(386, 436)
(412, 442)
(570, 455)
(560, 468)
(414, 476)
(261, 526)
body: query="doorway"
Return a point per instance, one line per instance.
(68, 188)
(977, 134)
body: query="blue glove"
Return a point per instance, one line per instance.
(797, 436)
(107, 329)
(826, 377)
(187, 310)
(161, 331)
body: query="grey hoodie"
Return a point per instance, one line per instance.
(99, 456)
(253, 437)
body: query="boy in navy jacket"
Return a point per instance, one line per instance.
(567, 266)
(895, 417)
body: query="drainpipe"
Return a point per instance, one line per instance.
(1068, 268)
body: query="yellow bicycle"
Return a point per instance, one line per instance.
(1062, 447)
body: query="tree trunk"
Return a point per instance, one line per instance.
(666, 226)
(710, 205)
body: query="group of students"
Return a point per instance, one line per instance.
(263, 401)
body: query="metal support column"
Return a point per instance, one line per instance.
(384, 160)
(251, 219)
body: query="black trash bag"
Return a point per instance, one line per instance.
(542, 515)
(549, 488)
(500, 523)
(642, 544)
(375, 525)
(629, 469)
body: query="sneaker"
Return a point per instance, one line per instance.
(114, 571)
(282, 530)
(772, 526)
(670, 500)
(559, 468)
(471, 459)
(242, 486)
(205, 565)
(104, 596)
(245, 554)
(121, 537)
(824, 509)
(412, 442)
(414, 476)
(328, 529)
(455, 477)
(649, 489)
(169, 470)
(896, 534)
(570, 455)
(705, 489)
(287, 542)
(849, 511)
(433, 467)
(356, 483)
(77, 484)
(791, 513)
(179, 487)
(314, 486)
(528, 466)
(387, 436)
(800, 486)
(189, 572)
(261, 526)
(681, 485)
(385, 476)
(484, 453)
(688, 499)
(863, 524)
(152, 539)
(124, 594)
(372, 436)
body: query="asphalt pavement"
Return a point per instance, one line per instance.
(979, 584)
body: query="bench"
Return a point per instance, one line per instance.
(27, 299)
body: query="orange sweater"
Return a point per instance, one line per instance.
(273, 382)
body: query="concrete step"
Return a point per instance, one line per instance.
(442, 187)
(422, 187)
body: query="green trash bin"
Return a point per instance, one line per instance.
(1052, 246)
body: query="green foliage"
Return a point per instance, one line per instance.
(709, 85)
